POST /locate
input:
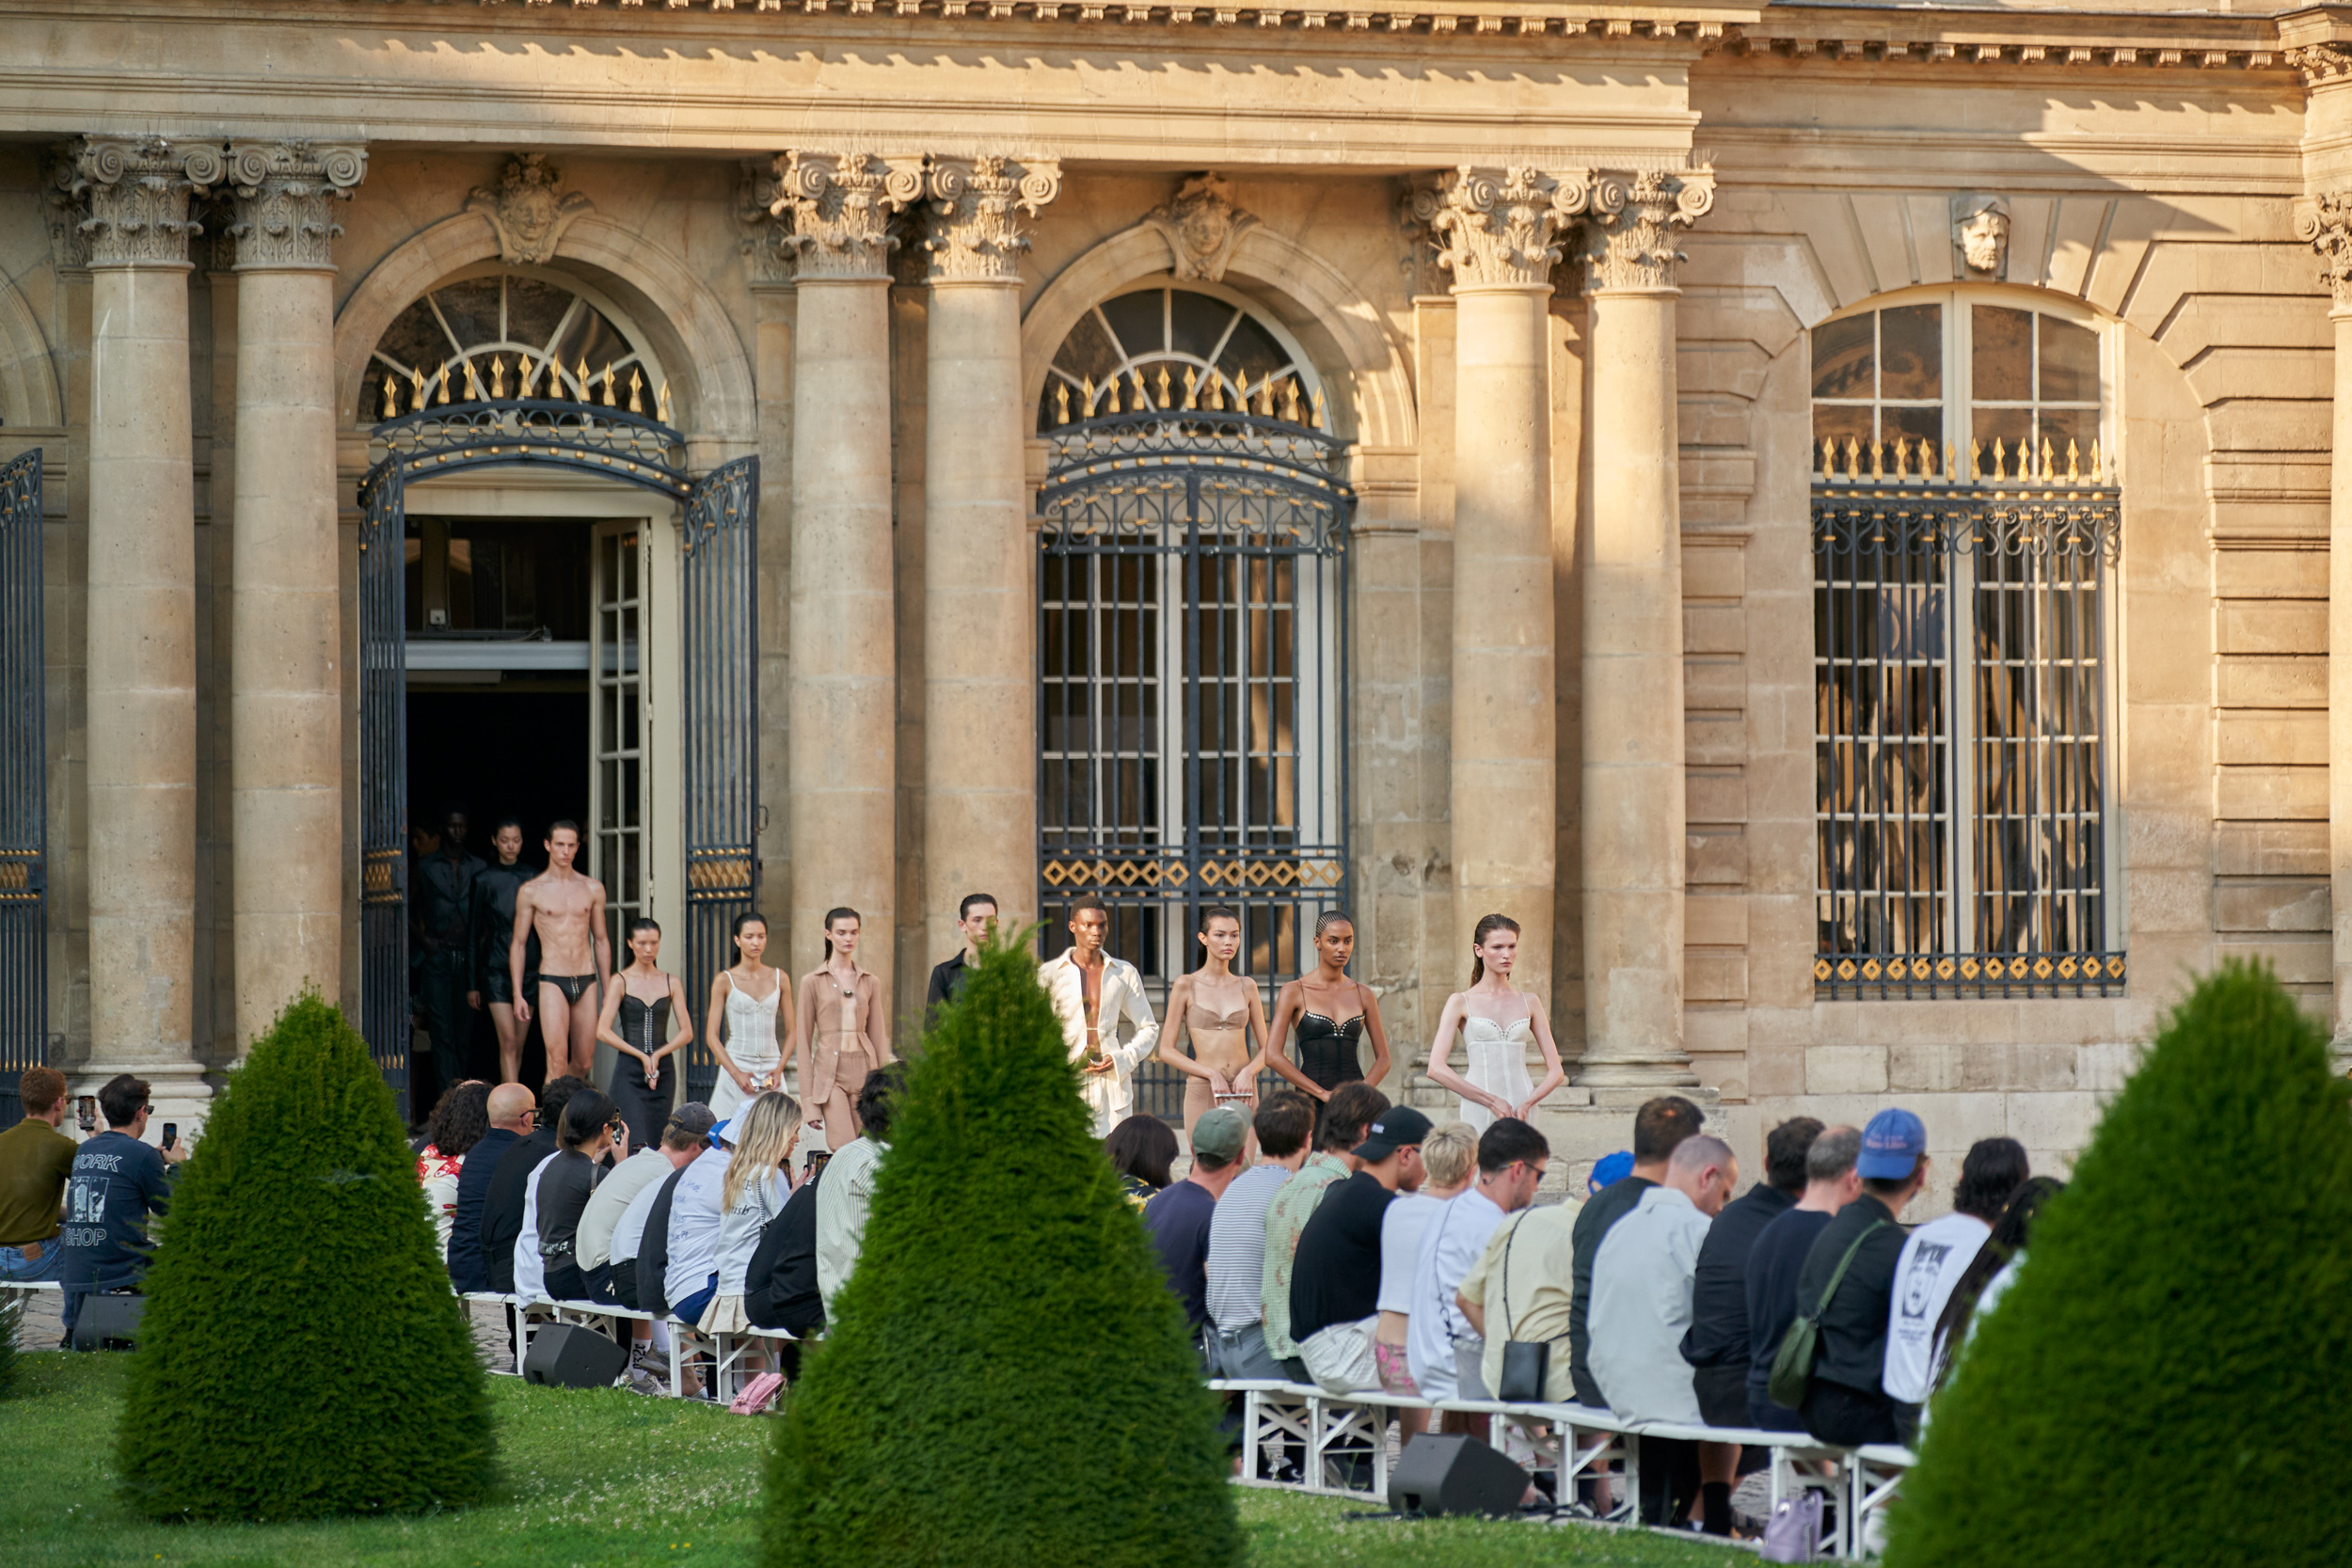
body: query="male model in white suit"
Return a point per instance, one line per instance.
(1092, 992)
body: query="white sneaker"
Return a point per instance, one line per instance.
(644, 1382)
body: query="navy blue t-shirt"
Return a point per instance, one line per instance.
(116, 1182)
(1178, 1218)
(468, 1271)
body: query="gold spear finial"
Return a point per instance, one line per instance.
(1192, 387)
(391, 397)
(526, 371)
(1061, 402)
(1086, 392)
(444, 397)
(662, 403)
(1163, 378)
(473, 383)
(636, 381)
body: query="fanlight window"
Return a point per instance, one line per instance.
(507, 335)
(1177, 348)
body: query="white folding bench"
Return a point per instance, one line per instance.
(1585, 1441)
(1275, 1414)
(1786, 1449)
(517, 1324)
(727, 1352)
(1342, 1426)
(1873, 1474)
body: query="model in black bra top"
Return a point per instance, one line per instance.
(1333, 1013)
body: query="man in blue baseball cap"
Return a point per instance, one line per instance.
(1845, 1404)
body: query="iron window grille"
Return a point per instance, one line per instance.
(1964, 529)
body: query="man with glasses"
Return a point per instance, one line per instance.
(118, 1180)
(514, 1114)
(1444, 1334)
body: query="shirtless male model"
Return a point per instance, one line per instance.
(566, 911)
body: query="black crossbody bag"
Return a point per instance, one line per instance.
(1526, 1362)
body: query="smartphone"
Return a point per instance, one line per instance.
(171, 1133)
(85, 1113)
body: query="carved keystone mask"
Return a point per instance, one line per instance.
(1980, 234)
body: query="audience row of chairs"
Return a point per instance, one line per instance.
(1343, 1441)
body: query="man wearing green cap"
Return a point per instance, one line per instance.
(1178, 1218)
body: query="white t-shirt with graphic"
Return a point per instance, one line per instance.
(1932, 1260)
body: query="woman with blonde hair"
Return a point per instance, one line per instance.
(758, 1181)
(1450, 1155)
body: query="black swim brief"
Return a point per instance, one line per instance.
(573, 986)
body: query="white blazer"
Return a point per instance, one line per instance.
(1110, 1095)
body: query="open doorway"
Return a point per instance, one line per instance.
(500, 728)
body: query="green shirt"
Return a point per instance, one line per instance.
(1286, 1217)
(35, 1161)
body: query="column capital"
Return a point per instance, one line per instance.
(1496, 226)
(2324, 221)
(976, 232)
(136, 190)
(284, 194)
(1630, 223)
(840, 205)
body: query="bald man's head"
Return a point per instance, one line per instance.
(510, 1104)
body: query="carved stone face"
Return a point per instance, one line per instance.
(530, 213)
(1984, 239)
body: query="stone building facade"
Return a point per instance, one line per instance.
(1821, 513)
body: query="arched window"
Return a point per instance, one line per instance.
(1190, 641)
(508, 334)
(1966, 522)
(1180, 348)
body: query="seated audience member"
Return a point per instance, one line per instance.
(780, 1287)
(1449, 1158)
(559, 1196)
(1996, 1266)
(1641, 1309)
(511, 1110)
(1178, 1219)
(1777, 1258)
(1847, 1404)
(36, 1163)
(1659, 1128)
(683, 1139)
(1335, 1288)
(1933, 1259)
(593, 1247)
(1717, 1346)
(117, 1181)
(502, 1209)
(1524, 1277)
(753, 1191)
(653, 1250)
(456, 1124)
(1443, 1351)
(848, 1196)
(1142, 1149)
(1236, 1265)
(1339, 1127)
(691, 1275)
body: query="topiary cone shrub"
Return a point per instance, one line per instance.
(2153, 1387)
(1007, 1381)
(301, 1353)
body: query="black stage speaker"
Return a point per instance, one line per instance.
(108, 1321)
(569, 1355)
(1453, 1474)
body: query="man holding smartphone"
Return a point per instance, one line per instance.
(118, 1180)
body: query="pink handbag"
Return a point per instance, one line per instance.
(755, 1394)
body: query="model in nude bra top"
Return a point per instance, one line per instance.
(1223, 1015)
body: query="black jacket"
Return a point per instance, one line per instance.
(1852, 1345)
(468, 1269)
(1717, 1334)
(502, 1209)
(780, 1289)
(652, 1253)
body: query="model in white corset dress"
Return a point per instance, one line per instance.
(753, 1045)
(1498, 1065)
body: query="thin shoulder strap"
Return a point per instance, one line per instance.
(1838, 1277)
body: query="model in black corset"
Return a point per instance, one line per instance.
(1333, 1013)
(644, 1034)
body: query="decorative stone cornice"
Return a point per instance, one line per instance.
(136, 189)
(285, 195)
(2323, 222)
(2321, 62)
(1201, 225)
(1628, 230)
(525, 211)
(976, 232)
(840, 205)
(1495, 228)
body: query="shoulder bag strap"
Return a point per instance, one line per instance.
(1838, 1277)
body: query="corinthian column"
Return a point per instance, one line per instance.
(285, 683)
(142, 615)
(842, 746)
(1632, 564)
(1495, 229)
(979, 706)
(2326, 223)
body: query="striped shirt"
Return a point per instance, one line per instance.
(1237, 1249)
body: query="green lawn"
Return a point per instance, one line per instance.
(610, 1478)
